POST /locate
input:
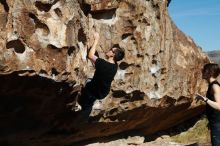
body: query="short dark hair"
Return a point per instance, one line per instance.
(210, 70)
(119, 52)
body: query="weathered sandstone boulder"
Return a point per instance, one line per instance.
(43, 65)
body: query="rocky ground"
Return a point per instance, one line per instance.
(190, 133)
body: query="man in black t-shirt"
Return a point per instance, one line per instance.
(99, 86)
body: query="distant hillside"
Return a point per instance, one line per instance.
(214, 56)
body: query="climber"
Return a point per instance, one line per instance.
(105, 70)
(210, 73)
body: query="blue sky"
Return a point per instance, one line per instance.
(199, 19)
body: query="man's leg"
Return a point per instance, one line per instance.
(86, 100)
(215, 135)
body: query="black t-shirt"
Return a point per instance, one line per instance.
(213, 115)
(102, 79)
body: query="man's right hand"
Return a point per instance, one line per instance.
(200, 97)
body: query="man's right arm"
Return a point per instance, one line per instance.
(91, 54)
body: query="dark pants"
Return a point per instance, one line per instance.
(86, 101)
(215, 134)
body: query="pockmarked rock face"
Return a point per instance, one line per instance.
(43, 65)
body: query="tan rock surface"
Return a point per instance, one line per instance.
(43, 64)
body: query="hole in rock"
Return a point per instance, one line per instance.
(137, 95)
(38, 23)
(54, 71)
(43, 71)
(112, 111)
(124, 36)
(140, 56)
(77, 70)
(134, 40)
(66, 73)
(113, 118)
(4, 3)
(158, 16)
(156, 86)
(103, 14)
(17, 45)
(71, 50)
(154, 75)
(163, 70)
(126, 108)
(44, 6)
(145, 21)
(86, 8)
(96, 53)
(124, 101)
(154, 61)
(138, 66)
(58, 12)
(167, 101)
(50, 46)
(123, 65)
(81, 36)
(155, 5)
(118, 93)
